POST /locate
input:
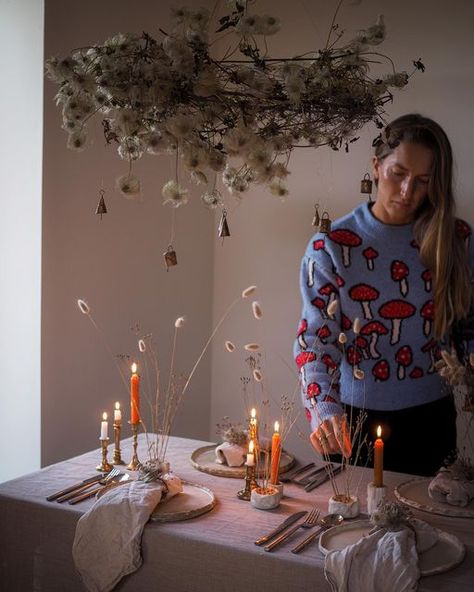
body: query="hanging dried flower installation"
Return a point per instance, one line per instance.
(240, 114)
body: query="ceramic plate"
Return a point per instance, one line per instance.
(193, 501)
(446, 554)
(414, 493)
(204, 459)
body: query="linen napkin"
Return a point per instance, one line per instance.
(446, 488)
(107, 544)
(230, 454)
(383, 560)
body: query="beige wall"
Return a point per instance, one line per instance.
(116, 264)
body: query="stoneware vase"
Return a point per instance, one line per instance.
(341, 504)
(265, 498)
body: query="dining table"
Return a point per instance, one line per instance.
(214, 551)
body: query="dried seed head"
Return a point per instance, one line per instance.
(257, 310)
(332, 307)
(257, 375)
(251, 347)
(356, 326)
(359, 374)
(230, 347)
(342, 338)
(141, 346)
(179, 322)
(248, 291)
(83, 306)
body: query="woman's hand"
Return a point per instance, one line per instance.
(332, 437)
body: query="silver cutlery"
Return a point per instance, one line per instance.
(100, 491)
(103, 480)
(102, 485)
(308, 478)
(67, 490)
(320, 479)
(310, 521)
(285, 524)
(287, 477)
(326, 522)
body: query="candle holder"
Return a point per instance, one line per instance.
(375, 495)
(134, 463)
(250, 483)
(117, 459)
(104, 466)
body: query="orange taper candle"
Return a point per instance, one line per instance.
(134, 395)
(378, 459)
(276, 453)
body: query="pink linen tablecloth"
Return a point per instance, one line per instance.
(213, 552)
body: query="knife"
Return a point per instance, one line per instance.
(93, 479)
(320, 479)
(294, 472)
(311, 475)
(288, 522)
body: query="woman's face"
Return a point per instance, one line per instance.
(403, 177)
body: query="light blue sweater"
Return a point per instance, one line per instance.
(374, 272)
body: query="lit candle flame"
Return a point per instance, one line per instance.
(277, 426)
(117, 406)
(379, 432)
(134, 367)
(251, 446)
(104, 416)
(253, 413)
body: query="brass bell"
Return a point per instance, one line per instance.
(325, 224)
(366, 184)
(223, 230)
(170, 257)
(316, 217)
(101, 207)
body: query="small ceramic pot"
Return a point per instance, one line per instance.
(348, 508)
(279, 487)
(265, 499)
(375, 495)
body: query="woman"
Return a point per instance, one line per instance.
(380, 292)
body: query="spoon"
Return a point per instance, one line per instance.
(326, 522)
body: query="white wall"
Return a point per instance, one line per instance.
(269, 237)
(115, 264)
(21, 99)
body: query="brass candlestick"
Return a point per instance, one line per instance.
(104, 466)
(134, 463)
(117, 460)
(250, 483)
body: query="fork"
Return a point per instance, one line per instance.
(310, 521)
(102, 485)
(110, 475)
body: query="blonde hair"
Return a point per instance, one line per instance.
(442, 248)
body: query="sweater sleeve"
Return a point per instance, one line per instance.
(317, 349)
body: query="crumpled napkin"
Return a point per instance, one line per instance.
(107, 544)
(230, 454)
(383, 560)
(449, 490)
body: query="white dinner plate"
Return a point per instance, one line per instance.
(446, 554)
(414, 493)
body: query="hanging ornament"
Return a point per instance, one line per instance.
(223, 230)
(316, 217)
(325, 224)
(101, 207)
(170, 257)
(366, 186)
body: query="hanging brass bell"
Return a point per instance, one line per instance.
(325, 224)
(316, 217)
(101, 207)
(366, 184)
(170, 257)
(223, 230)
